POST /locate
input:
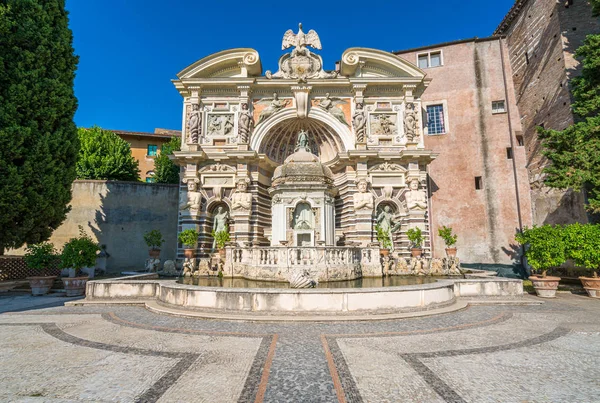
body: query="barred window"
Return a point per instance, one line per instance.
(435, 119)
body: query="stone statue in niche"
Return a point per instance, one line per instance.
(329, 105)
(363, 199)
(410, 122)
(389, 223)
(359, 122)
(195, 124)
(220, 222)
(302, 142)
(245, 124)
(193, 198)
(274, 106)
(416, 199)
(241, 199)
(304, 217)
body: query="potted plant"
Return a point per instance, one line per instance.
(544, 248)
(41, 256)
(449, 240)
(582, 243)
(415, 236)
(188, 238)
(384, 240)
(221, 238)
(154, 240)
(78, 253)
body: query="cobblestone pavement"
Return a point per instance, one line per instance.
(500, 353)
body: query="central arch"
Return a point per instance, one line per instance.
(277, 137)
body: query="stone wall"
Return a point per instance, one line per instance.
(542, 36)
(118, 214)
(475, 144)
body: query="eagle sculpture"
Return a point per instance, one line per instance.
(300, 41)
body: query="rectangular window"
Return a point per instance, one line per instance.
(152, 148)
(509, 153)
(478, 183)
(150, 180)
(520, 140)
(435, 119)
(498, 107)
(429, 59)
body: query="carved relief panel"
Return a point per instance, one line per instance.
(384, 125)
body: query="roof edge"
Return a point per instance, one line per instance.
(456, 42)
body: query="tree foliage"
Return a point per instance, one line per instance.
(165, 171)
(544, 246)
(574, 153)
(104, 155)
(38, 138)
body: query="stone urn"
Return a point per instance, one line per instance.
(154, 253)
(451, 252)
(40, 285)
(416, 252)
(189, 253)
(75, 286)
(591, 285)
(545, 287)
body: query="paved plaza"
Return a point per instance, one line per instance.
(499, 353)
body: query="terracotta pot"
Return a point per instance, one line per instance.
(416, 252)
(40, 285)
(545, 287)
(591, 285)
(75, 286)
(154, 253)
(451, 252)
(189, 253)
(384, 252)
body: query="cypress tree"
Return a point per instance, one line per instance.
(38, 138)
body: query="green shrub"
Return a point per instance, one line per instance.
(41, 256)
(188, 237)
(154, 239)
(383, 237)
(221, 237)
(79, 252)
(447, 236)
(415, 236)
(544, 246)
(582, 245)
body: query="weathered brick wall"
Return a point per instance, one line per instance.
(541, 39)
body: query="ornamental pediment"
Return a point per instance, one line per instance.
(231, 63)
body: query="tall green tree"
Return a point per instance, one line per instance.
(574, 153)
(104, 155)
(38, 138)
(165, 171)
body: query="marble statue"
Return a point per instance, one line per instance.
(152, 265)
(410, 122)
(304, 217)
(389, 223)
(274, 106)
(359, 122)
(188, 267)
(220, 222)
(195, 124)
(228, 125)
(417, 266)
(363, 199)
(169, 268)
(193, 198)
(416, 199)
(329, 105)
(245, 124)
(302, 142)
(241, 199)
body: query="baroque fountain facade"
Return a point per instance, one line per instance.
(300, 165)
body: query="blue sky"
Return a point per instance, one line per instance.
(130, 49)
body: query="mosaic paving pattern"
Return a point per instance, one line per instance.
(545, 353)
